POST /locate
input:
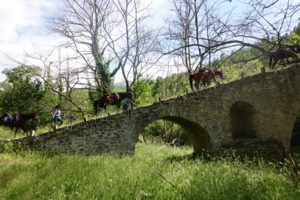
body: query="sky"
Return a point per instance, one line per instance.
(23, 28)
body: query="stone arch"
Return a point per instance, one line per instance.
(295, 135)
(199, 137)
(242, 120)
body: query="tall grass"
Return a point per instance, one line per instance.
(154, 172)
(8, 134)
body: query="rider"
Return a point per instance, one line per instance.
(109, 98)
(57, 115)
(7, 117)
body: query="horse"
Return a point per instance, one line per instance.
(27, 122)
(204, 75)
(282, 55)
(111, 99)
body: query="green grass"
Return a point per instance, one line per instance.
(7, 133)
(154, 172)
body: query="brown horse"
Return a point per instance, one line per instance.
(27, 122)
(204, 75)
(289, 55)
(111, 99)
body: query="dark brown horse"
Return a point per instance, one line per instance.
(111, 99)
(27, 122)
(206, 76)
(288, 55)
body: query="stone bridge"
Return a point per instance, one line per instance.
(260, 107)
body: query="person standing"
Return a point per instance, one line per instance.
(57, 115)
(126, 102)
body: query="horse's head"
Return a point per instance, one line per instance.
(130, 94)
(28, 116)
(36, 118)
(219, 73)
(130, 90)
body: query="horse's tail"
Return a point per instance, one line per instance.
(191, 77)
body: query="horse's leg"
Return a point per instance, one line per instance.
(197, 83)
(215, 81)
(16, 130)
(131, 105)
(275, 60)
(206, 83)
(129, 110)
(270, 62)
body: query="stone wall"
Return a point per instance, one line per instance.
(93, 137)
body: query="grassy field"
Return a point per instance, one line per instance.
(154, 172)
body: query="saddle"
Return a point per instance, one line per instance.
(109, 99)
(10, 119)
(112, 98)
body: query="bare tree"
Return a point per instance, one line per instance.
(263, 25)
(109, 35)
(62, 83)
(85, 24)
(135, 44)
(195, 31)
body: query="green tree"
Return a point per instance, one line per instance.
(294, 37)
(22, 91)
(144, 91)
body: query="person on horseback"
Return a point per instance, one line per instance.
(108, 99)
(7, 117)
(57, 115)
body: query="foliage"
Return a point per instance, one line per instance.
(154, 172)
(163, 131)
(144, 91)
(22, 91)
(102, 69)
(82, 99)
(174, 85)
(294, 37)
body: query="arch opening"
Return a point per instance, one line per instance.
(198, 136)
(242, 120)
(165, 131)
(295, 136)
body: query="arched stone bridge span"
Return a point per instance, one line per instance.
(263, 106)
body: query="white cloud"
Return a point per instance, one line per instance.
(22, 27)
